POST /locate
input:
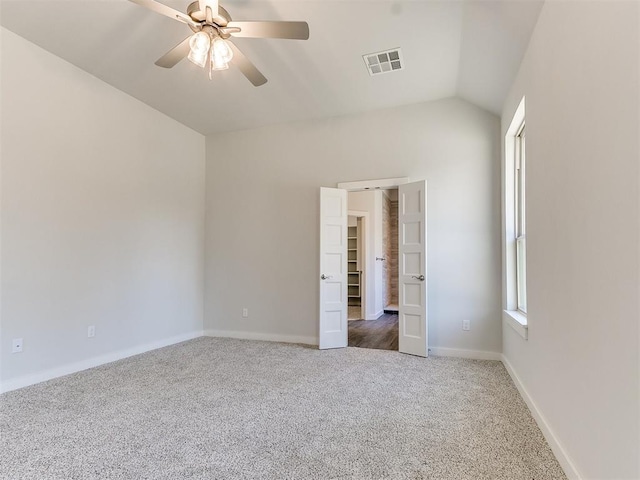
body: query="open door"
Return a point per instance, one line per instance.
(412, 268)
(333, 268)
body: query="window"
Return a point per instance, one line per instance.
(515, 224)
(520, 221)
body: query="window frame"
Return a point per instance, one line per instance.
(514, 223)
(520, 219)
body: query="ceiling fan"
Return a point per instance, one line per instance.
(212, 26)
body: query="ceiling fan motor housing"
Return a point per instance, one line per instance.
(221, 18)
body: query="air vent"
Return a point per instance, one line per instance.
(384, 62)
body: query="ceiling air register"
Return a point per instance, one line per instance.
(383, 62)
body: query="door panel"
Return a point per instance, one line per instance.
(333, 268)
(412, 275)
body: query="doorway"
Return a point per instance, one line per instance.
(375, 327)
(412, 264)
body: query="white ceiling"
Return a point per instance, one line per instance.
(466, 48)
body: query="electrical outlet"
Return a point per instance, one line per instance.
(91, 331)
(245, 312)
(16, 345)
(466, 325)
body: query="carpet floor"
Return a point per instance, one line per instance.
(232, 409)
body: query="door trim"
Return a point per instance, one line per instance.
(380, 184)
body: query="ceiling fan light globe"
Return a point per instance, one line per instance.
(200, 43)
(219, 64)
(198, 59)
(221, 50)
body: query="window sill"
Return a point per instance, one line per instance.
(517, 321)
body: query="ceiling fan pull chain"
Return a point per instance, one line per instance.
(210, 60)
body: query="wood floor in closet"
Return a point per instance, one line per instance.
(381, 334)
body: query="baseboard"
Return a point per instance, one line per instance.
(70, 368)
(556, 447)
(376, 315)
(268, 337)
(463, 353)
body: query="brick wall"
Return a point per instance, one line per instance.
(390, 251)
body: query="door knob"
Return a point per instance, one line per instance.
(419, 277)
(325, 277)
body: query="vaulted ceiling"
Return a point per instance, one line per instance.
(466, 48)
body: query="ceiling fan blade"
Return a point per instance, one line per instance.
(291, 30)
(166, 11)
(173, 56)
(246, 67)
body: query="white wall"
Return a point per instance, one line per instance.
(263, 208)
(580, 362)
(102, 219)
(371, 202)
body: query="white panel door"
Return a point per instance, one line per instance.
(412, 268)
(333, 268)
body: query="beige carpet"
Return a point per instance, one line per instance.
(233, 409)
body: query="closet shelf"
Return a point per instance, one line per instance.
(354, 281)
